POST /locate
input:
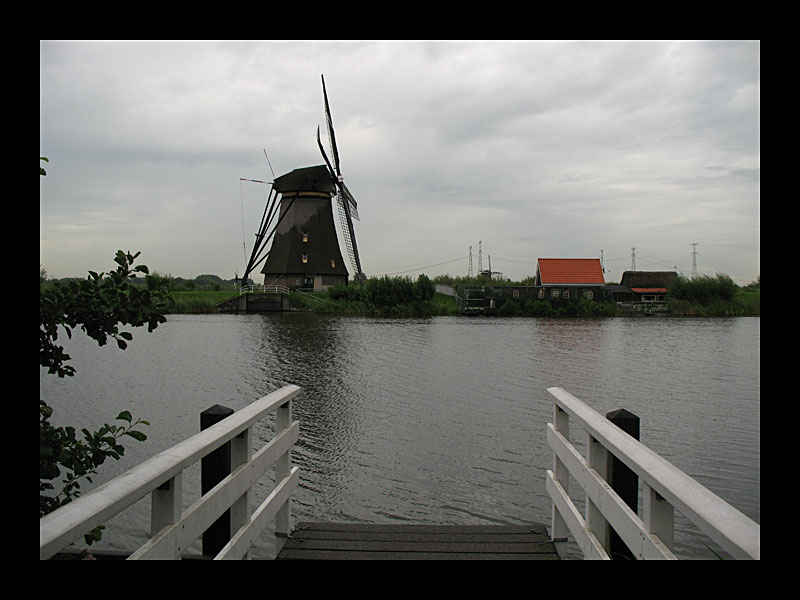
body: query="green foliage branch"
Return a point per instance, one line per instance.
(98, 305)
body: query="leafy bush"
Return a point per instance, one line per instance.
(538, 308)
(702, 290)
(386, 295)
(424, 288)
(510, 309)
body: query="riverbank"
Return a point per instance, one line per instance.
(199, 301)
(745, 302)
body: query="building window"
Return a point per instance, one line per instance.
(333, 263)
(515, 294)
(588, 294)
(541, 292)
(305, 236)
(555, 293)
(305, 258)
(566, 293)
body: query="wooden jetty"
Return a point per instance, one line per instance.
(609, 503)
(392, 541)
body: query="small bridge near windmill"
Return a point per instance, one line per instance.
(608, 513)
(258, 298)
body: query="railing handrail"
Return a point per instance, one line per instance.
(70, 522)
(260, 287)
(735, 532)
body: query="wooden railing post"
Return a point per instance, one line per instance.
(623, 480)
(166, 506)
(597, 459)
(214, 468)
(283, 467)
(559, 527)
(241, 509)
(658, 516)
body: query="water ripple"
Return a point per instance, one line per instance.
(437, 420)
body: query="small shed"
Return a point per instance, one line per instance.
(648, 286)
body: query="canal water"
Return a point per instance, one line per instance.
(436, 420)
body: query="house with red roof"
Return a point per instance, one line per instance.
(569, 278)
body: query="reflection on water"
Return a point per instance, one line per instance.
(437, 420)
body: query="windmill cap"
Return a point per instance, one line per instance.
(306, 179)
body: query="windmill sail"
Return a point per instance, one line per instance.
(351, 203)
(345, 200)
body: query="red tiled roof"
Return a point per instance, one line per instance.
(648, 290)
(571, 270)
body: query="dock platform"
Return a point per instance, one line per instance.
(391, 541)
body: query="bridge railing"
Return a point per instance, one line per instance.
(665, 488)
(260, 287)
(173, 529)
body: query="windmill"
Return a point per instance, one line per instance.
(305, 249)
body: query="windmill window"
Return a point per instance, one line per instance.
(305, 236)
(333, 263)
(305, 258)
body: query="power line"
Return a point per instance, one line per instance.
(411, 267)
(419, 268)
(505, 258)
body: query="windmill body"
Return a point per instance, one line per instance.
(305, 249)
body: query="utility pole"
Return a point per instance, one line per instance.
(480, 258)
(633, 258)
(694, 260)
(469, 274)
(601, 261)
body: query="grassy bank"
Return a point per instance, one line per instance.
(740, 302)
(194, 302)
(322, 302)
(204, 301)
(744, 303)
(716, 296)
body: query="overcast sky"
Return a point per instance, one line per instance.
(537, 149)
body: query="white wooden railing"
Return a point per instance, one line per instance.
(174, 530)
(665, 489)
(260, 287)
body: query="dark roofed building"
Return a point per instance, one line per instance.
(648, 286)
